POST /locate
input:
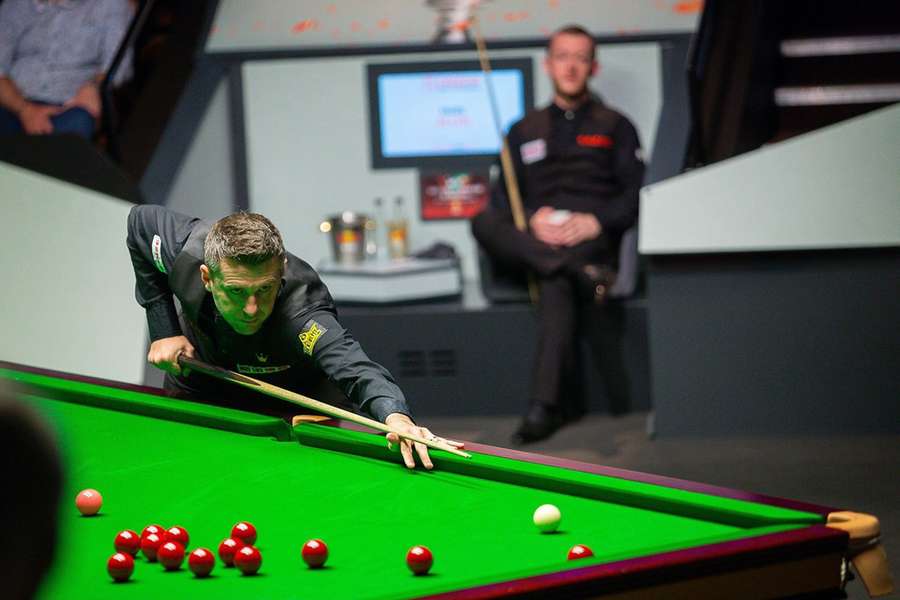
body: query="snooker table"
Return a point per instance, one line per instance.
(205, 467)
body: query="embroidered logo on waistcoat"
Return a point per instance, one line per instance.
(311, 333)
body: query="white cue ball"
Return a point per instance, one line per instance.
(547, 518)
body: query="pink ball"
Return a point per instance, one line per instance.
(88, 502)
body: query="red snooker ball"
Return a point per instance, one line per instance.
(248, 560)
(315, 553)
(171, 555)
(120, 566)
(580, 551)
(177, 534)
(88, 502)
(201, 562)
(127, 541)
(150, 545)
(419, 560)
(245, 532)
(157, 529)
(227, 549)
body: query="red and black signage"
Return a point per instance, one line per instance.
(453, 195)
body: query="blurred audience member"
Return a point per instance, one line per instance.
(29, 505)
(54, 54)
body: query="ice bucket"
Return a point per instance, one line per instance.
(349, 232)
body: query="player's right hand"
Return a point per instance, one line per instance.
(164, 353)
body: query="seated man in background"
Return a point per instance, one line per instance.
(29, 505)
(249, 306)
(578, 166)
(54, 55)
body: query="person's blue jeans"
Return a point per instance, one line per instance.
(74, 120)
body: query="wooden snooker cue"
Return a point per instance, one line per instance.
(307, 402)
(509, 171)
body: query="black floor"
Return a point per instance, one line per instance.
(856, 472)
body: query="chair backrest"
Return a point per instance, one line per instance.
(627, 276)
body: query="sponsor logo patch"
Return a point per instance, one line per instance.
(254, 370)
(263, 358)
(533, 151)
(311, 333)
(156, 251)
(594, 141)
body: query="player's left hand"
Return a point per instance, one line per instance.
(580, 227)
(88, 98)
(403, 424)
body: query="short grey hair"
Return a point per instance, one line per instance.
(246, 238)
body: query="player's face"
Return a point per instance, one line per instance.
(570, 63)
(244, 294)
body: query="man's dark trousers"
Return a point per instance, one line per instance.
(556, 383)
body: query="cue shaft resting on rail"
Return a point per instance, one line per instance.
(307, 402)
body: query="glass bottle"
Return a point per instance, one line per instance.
(373, 227)
(398, 232)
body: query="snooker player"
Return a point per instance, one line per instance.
(578, 165)
(249, 306)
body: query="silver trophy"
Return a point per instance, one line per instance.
(453, 15)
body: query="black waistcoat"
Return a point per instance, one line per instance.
(575, 170)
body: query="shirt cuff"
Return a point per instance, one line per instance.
(383, 406)
(162, 319)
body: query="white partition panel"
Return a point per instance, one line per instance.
(838, 187)
(68, 294)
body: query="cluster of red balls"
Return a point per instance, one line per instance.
(239, 551)
(168, 547)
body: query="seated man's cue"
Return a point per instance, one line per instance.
(307, 402)
(509, 169)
